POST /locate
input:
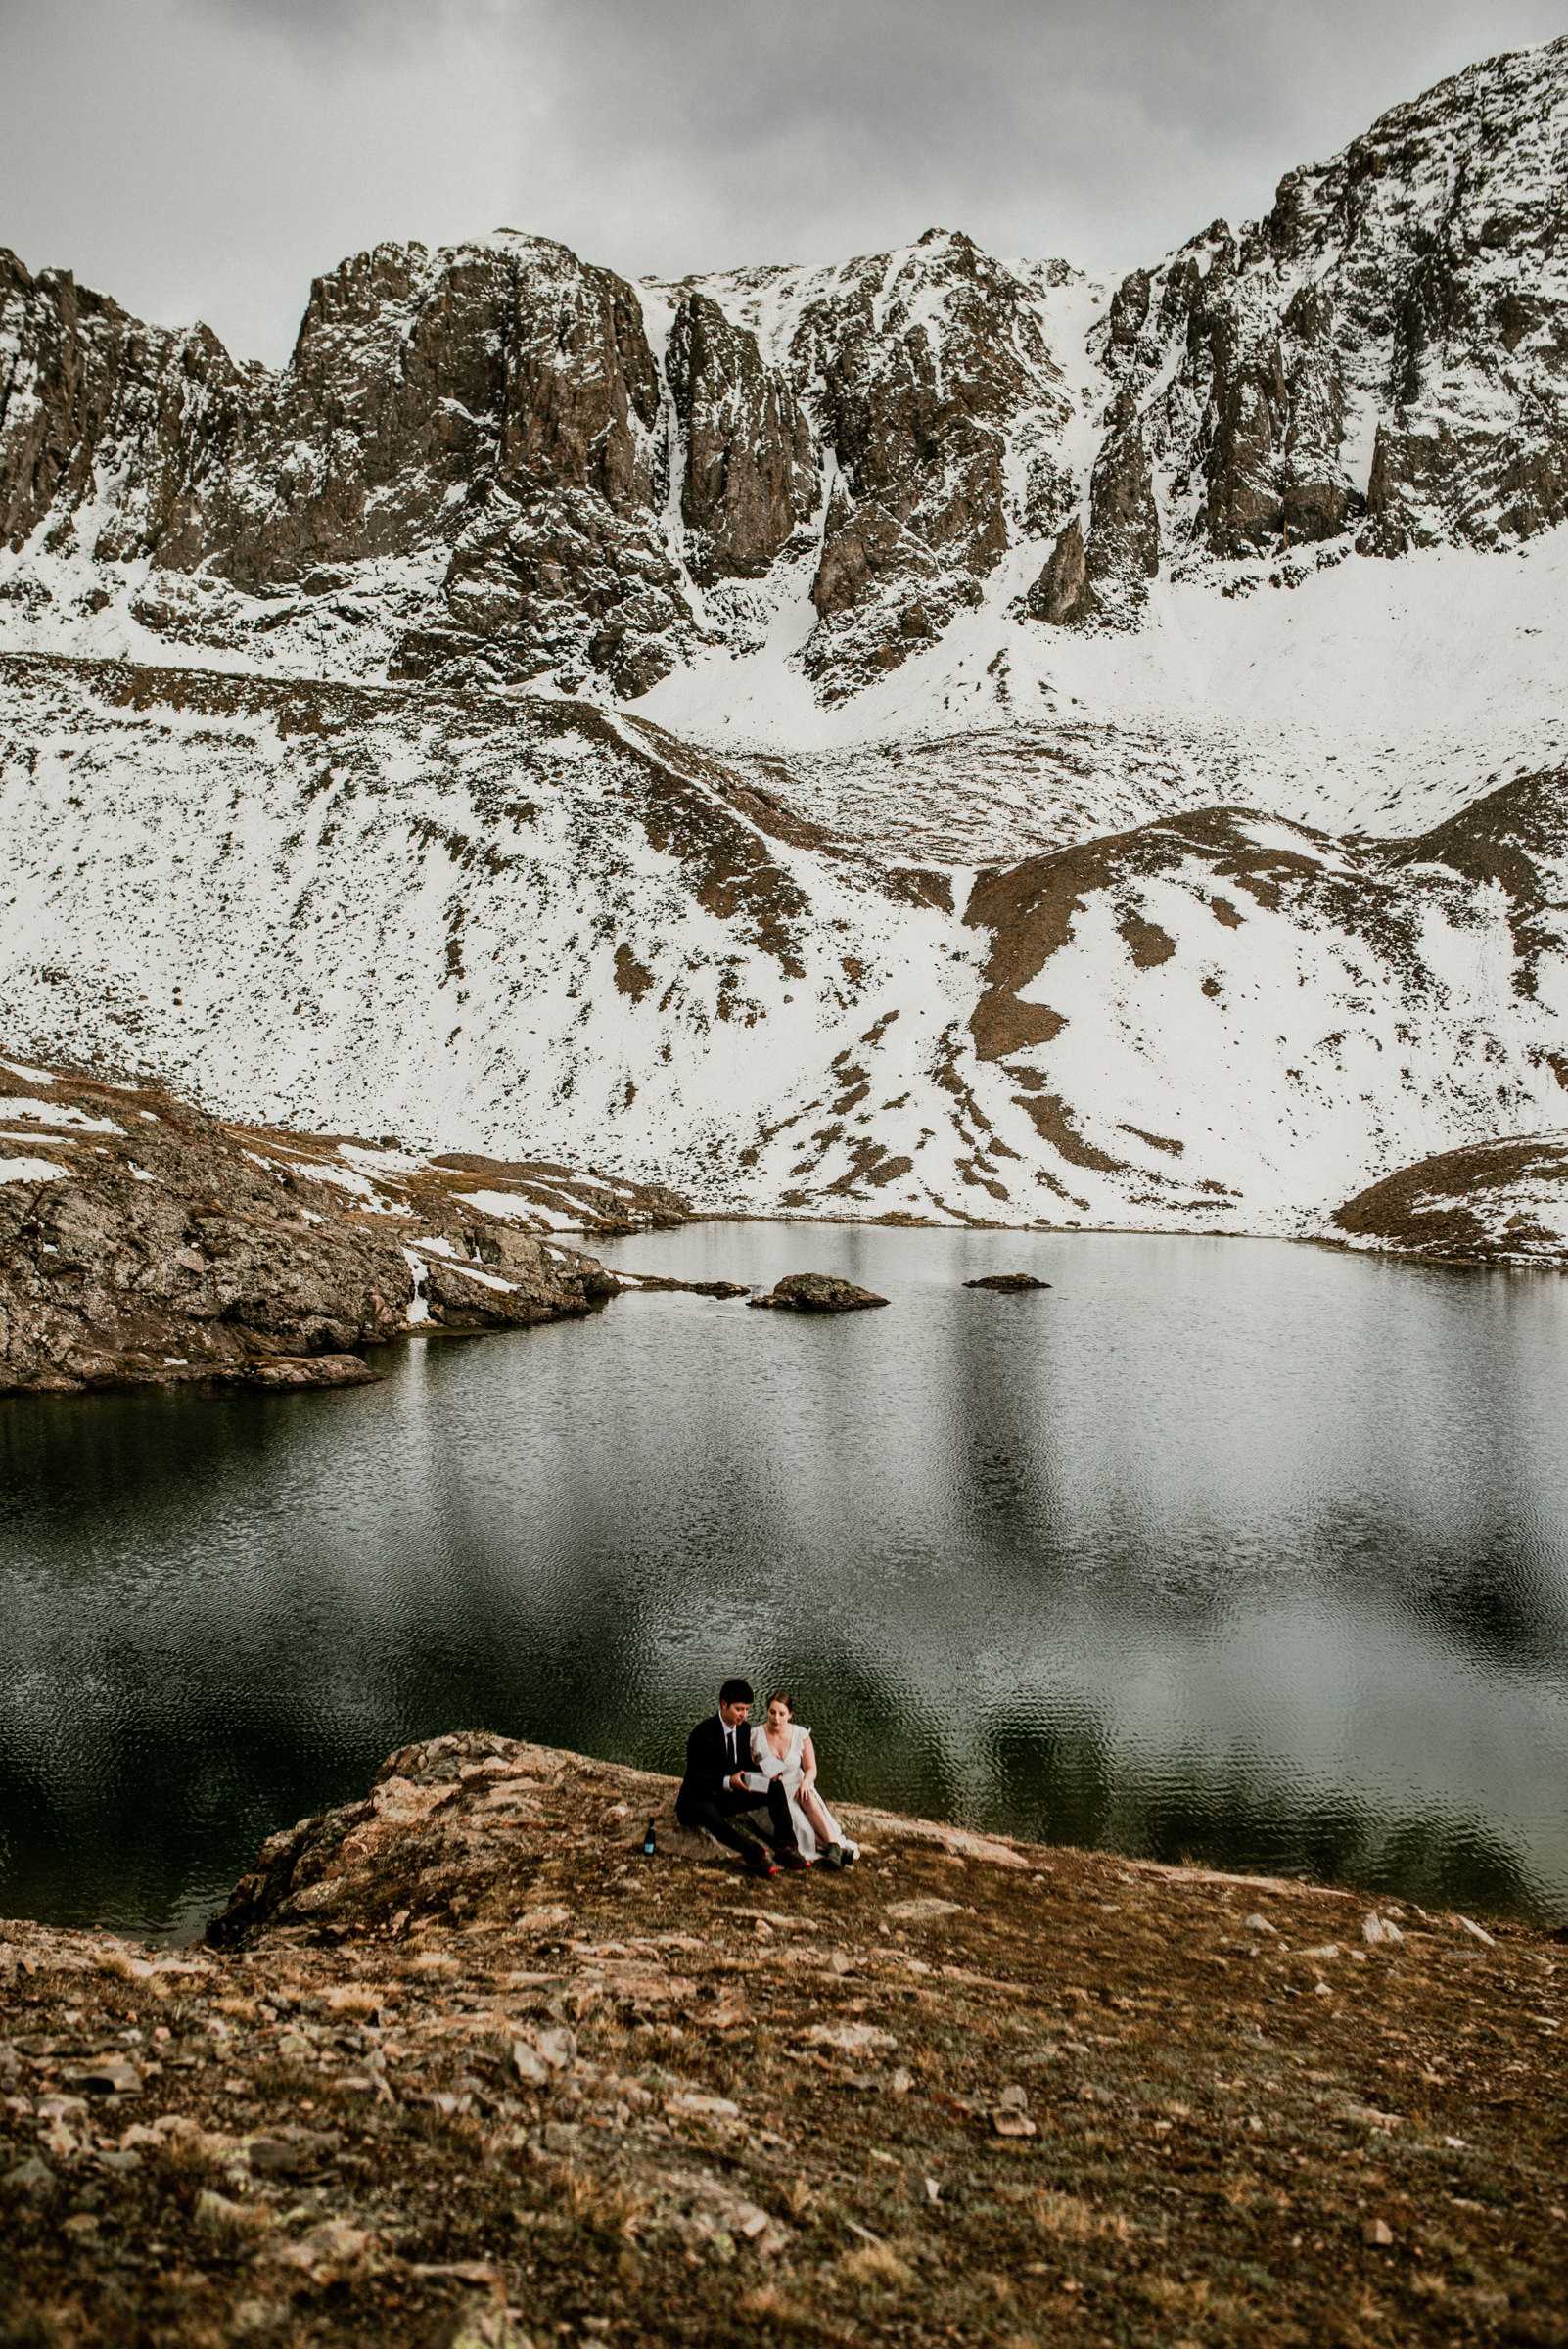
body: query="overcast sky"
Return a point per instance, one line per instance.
(206, 157)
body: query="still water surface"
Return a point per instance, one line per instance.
(1226, 1548)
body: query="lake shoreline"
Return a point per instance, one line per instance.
(146, 1243)
(333, 1372)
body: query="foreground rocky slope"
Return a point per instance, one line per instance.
(144, 1243)
(463, 2068)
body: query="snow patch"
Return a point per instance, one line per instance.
(30, 1170)
(54, 1113)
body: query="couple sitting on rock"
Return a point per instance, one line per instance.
(731, 1770)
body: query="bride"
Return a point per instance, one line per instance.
(782, 1749)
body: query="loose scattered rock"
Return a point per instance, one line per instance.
(1008, 2122)
(851, 2039)
(111, 2076)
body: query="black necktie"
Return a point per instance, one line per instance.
(729, 1742)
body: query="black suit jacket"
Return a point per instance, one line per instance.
(707, 1760)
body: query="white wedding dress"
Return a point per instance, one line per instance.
(767, 1765)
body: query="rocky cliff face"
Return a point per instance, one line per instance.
(143, 1243)
(471, 441)
(502, 462)
(499, 455)
(1381, 361)
(944, 408)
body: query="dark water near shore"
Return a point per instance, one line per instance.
(1226, 1548)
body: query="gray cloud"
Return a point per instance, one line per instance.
(208, 157)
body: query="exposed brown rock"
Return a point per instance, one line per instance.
(921, 377)
(1123, 541)
(749, 478)
(665, 1283)
(1061, 592)
(148, 1244)
(632, 978)
(1502, 1202)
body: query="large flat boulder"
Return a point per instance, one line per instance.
(816, 1293)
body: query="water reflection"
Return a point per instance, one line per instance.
(1226, 1548)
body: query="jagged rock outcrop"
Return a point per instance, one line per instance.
(925, 366)
(87, 390)
(144, 1243)
(1385, 353)
(750, 476)
(1061, 593)
(480, 427)
(1105, 575)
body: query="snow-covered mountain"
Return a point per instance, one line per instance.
(932, 734)
(473, 920)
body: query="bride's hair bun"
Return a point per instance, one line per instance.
(781, 1696)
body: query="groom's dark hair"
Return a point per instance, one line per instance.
(735, 1693)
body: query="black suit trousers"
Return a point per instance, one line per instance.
(716, 1815)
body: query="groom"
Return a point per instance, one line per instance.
(719, 1756)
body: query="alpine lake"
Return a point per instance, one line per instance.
(1223, 1551)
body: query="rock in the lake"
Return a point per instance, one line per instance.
(1007, 1284)
(816, 1293)
(665, 1283)
(309, 1370)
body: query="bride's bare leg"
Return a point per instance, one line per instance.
(821, 1826)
